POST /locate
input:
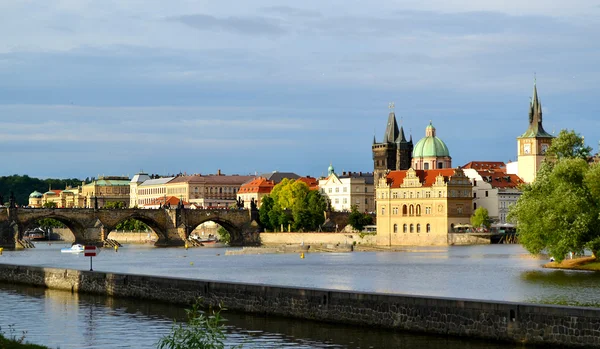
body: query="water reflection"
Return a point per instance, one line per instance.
(65, 320)
(575, 287)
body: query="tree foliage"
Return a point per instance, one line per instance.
(359, 220)
(224, 235)
(114, 204)
(481, 218)
(560, 211)
(24, 185)
(568, 145)
(49, 204)
(292, 203)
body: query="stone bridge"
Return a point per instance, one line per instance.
(92, 226)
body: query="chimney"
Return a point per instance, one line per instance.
(218, 172)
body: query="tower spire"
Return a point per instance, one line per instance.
(535, 115)
(391, 130)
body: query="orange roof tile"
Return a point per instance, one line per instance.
(426, 177)
(313, 183)
(485, 165)
(500, 179)
(257, 185)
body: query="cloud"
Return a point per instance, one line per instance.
(237, 25)
(292, 11)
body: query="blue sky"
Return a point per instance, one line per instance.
(114, 87)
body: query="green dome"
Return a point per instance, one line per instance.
(35, 194)
(430, 145)
(50, 192)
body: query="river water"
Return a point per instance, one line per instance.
(491, 272)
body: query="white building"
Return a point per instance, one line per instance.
(493, 188)
(347, 189)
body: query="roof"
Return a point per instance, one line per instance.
(257, 185)
(500, 179)
(430, 145)
(485, 165)
(313, 183)
(535, 129)
(426, 177)
(109, 182)
(367, 176)
(391, 130)
(277, 176)
(157, 181)
(140, 177)
(36, 194)
(212, 179)
(53, 192)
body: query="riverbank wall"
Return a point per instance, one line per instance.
(500, 321)
(316, 238)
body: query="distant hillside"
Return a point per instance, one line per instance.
(22, 186)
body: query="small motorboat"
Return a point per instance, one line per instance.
(76, 248)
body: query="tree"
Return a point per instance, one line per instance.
(292, 203)
(568, 145)
(224, 235)
(481, 218)
(560, 211)
(114, 204)
(49, 204)
(359, 220)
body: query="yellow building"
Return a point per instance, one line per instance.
(420, 207)
(103, 190)
(532, 145)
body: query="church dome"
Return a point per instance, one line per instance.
(35, 194)
(50, 192)
(430, 145)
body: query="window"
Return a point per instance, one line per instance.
(337, 190)
(345, 189)
(345, 200)
(411, 211)
(357, 201)
(404, 210)
(440, 165)
(394, 195)
(439, 194)
(418, 228)
(383, 211)
(337, 201)
(411, 194)
(395, 210)
(474, 205)
(366, 201)
(365, 189)
(459, 210)
(426, 166)
(427, 210)
(330, 190)
(418, 210)
(486, 193)
(395, 228)
(475, 195)
(404, 195)
(428, 227)
(427, 194)
(412, 228)
(404, 228)
(474, 182)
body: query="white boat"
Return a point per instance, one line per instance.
(76, 248)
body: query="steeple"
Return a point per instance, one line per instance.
(391, 130)
(535, 116)
(401, 138)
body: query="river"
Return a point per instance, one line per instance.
(492, 272)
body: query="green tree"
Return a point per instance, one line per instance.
(49, 204)
(224, 235)
(358, 220)
(481, 218)
(50, 223)
(568, 145)
(560, 211)
(265, 207)
(114, 204)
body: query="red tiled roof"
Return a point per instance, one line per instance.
(426, 177)
(499, 179)
(212, 179)
(257, 185)
(56, 191)
(313, 183)
(485, 165)
(169, 200)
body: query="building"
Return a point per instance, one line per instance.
(394, 152)
(35, 199)
(147, 191)
(430, 152)
(348, 189)
(532, 145)
(493, 188)
(217, 191)
(420, 207)
(256, 190)
(102, 190)
(276, 176)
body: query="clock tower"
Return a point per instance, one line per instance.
(532, 144)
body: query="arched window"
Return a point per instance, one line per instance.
(426, 166)
(418, 228)
(383, 211)
(440, 165)
(452, 227)
(418, 210)
(404, 228)
(411, 210)
(404, 211)
(428, 227)
(474, 206)
(395, 228)
(412, 228)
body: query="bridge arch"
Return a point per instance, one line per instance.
(156, 227)
(77, 228)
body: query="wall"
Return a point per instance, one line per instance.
(133, 237)
(501, 321)
(467, 239)
(315, 238)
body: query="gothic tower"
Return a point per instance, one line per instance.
(395, 152)
(532, 145)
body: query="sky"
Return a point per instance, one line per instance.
(115, 87)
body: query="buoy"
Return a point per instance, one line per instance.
(302, 255)
(116, 248)
(186, 246)
(1, 250)
(191, 263)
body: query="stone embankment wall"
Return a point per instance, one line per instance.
(133, 237)
(467, 239)
(502, 321)
(315, 238)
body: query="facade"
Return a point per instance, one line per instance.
(430, 152)
(420, 207)
(532, 145)
(104, 189)
(347, 189)
(35, 199)
(256, 190)
(149, 190)
(495, 190)
(394, 152)
(217, 191)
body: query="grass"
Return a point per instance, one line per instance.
(583, 263)
(6, 343)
